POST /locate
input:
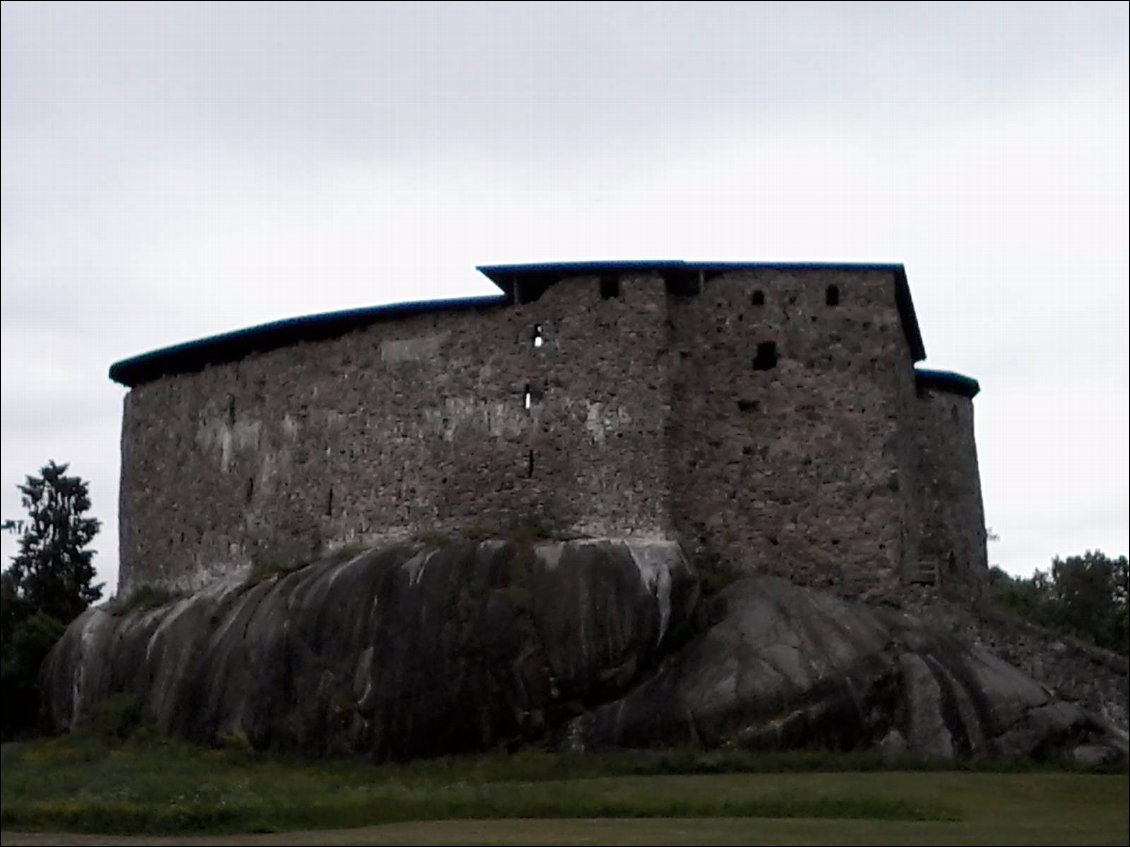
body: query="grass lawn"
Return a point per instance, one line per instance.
(170, 792)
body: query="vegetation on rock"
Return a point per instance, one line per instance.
(1081, 596)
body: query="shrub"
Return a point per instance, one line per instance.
(119, 718)
(143, 597)
(433, 539)
(262, 569)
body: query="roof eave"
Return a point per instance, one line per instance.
(949, 382)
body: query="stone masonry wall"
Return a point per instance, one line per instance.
(765, 415)
(792, 467)
(413, 424)
(952, 518)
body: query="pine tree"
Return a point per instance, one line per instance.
(53, 572)
(47, 585)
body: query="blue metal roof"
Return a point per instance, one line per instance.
(947, 381)
(231, 346)
(497, 273)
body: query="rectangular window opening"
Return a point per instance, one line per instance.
(529, 289)
(832, 295)
(609, 287)
(757, 298)
(530, 465)
(766, 358)
(682, 285)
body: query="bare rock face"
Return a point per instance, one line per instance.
(401, 651)
(785, 667)
(407, 650)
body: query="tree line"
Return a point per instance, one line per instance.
(1082, 596)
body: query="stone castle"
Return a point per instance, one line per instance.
(770, 415)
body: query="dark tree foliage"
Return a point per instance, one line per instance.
(1084, 596)
(53, 570)
(23, 653)
(47, 585)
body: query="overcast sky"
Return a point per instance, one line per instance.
(175, 170)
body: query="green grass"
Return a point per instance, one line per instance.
(82, 784)
(262, 569)
(143, 598)
(522, 531)
(344, 553)
(267, 568)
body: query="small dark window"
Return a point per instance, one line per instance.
(250, 492)
(766, 358)
(832, 295)
(747, 405)
(330, 504)
(539, 336)
(609, 287)
(530, 465)
(682, 285)
(757, 298)
(528, 290)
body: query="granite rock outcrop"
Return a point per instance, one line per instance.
(413, 650)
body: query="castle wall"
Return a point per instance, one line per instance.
(910, 474)
(798, 469)
(767, 415)
(413, 424)
(952, 544)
